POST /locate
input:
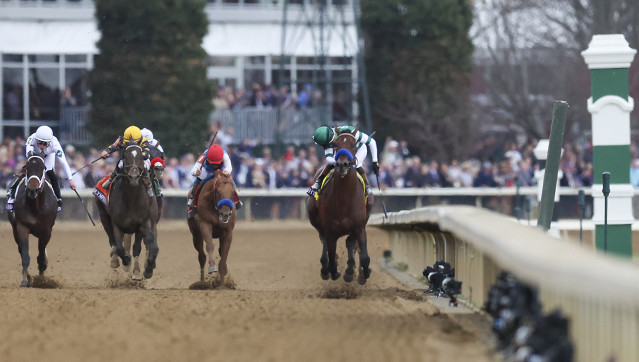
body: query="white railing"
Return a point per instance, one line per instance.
(599, 293)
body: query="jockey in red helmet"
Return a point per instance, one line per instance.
(215, 158)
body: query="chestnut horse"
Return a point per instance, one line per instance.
(214, 218)
(341, 209)
(131, 211)
(34, 211)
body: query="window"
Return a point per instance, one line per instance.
(44, 94)
(12, 91)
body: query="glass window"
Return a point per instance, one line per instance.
(44, 58)
(286, 77)
(76, 88)
(75, 58)
(305, 60)
(12, 58)
(253, 76)
(220, 61)
(44, 94)
(255, 60)
(12, 91)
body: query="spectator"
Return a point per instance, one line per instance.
(304, 97)
(485, 177)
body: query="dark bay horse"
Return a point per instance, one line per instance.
(215, 218)
(341, 209)
(131, 211)
(34, 211)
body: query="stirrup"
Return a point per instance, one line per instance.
(59, 204)
(189, 202)
(239, 204)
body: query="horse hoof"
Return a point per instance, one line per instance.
(136, 276)
(335, 276)
(348, 277)
(325, 276)
(126, 261)
(212, 269)
(148, 275)
(24, 284)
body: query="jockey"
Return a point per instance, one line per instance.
(146, 133)
(325, 136)
(215, 158)
(131, 135)
(44, 144)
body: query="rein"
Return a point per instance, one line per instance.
(41, 178)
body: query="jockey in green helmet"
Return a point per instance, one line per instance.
(324, 136)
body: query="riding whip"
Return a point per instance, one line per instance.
(207, 149)
(381, 197)
(85, 207)
(87, 165)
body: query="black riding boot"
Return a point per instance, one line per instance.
(318, 183)
(362, 173)
(53, 178)
(11, 192)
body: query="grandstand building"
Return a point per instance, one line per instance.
(47, 48)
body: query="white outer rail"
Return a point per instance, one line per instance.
(599, 293)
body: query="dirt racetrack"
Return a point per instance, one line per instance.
(280, 310)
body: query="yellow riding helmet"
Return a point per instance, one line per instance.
(132, 134)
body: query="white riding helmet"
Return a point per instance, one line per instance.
(44, 134)
(146, 133)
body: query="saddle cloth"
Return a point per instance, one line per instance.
(101, 193)
(330, 174)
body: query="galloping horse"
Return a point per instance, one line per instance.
(34, 212)
(341, 209)
(215, 218)
(131, 211)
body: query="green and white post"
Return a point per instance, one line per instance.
(609, 57)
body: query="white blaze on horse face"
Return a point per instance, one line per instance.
(134, 153)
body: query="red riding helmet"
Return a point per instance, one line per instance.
(215, 154)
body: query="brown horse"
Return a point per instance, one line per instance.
(131, 211)
(341, 209)
(34, 212)
(215, 218)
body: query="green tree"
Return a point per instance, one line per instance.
(418, 60)
(151, 72)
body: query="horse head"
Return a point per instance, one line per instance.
(133, 163)
(345, 146)
(223, 196)
(35, 173)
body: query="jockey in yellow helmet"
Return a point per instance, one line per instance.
(131, 135)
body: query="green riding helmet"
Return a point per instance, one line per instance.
(323, 136)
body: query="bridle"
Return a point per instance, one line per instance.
(130, 170)
(33, 192)
(343, 168)
(223, 217)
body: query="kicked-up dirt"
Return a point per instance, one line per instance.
(274, 308)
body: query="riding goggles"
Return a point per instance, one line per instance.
(44, 143)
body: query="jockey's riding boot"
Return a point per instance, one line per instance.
(189, 200)
(106, 183)
(362, 173)
(313, 189)
(147, 184)
(239, 204)
(53, 178)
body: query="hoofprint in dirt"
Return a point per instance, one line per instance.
(278, 311)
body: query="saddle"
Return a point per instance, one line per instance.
(330, 174)
(101, 193)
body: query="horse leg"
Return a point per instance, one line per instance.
(21, 236)
(225, 247)
(137, 249)
(350, 270)
(364, 259)
(207, 233)
(105, 219)
(324, 259)
(43, 262)
(151, 243)
(198, 244)
(126, 243)
(331, 245)
(118, 235)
